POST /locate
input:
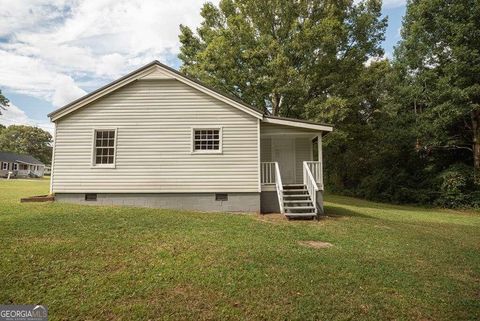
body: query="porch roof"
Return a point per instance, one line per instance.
(298, 123)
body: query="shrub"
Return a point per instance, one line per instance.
(457, 187)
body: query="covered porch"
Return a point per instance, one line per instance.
(291, 169)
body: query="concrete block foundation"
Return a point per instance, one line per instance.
(236, 202)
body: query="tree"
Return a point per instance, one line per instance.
(280, 54)
(3, 102)
(27, 140)
(439, 63)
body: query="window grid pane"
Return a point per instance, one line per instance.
(104, 146)
(206, 139)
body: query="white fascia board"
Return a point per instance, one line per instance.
(298, 124)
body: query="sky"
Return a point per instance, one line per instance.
(55, 51)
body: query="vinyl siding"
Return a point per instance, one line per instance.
(303, 152)
(154, 121)
(266, 149)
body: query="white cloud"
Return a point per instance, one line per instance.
(28, 14)
(375, 59)
(65, 91)
(54, 47)
(13, 115)
(394, 3)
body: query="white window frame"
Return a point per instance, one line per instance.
(94, 134)
(207, 151)
(15, 166)
(4, 166)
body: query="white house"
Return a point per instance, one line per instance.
(158, 138)
(20, 165)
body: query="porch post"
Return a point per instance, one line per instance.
(320, 158)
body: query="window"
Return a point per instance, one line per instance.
(15, 166)
(104, 148)
(5, 166)
(207, 140)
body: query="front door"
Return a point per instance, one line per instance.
(283, 152)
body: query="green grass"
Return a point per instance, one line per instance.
(118, 263)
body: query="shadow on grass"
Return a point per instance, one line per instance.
(363, 203)
(338, 211)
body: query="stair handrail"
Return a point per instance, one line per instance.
(317, 171)
(279, 185)
(310, 183)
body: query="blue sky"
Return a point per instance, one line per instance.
(54, 51)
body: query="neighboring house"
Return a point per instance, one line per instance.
(20, 165)
(158, 138)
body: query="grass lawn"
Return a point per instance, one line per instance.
(118, 263)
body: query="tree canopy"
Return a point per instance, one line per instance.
(283, 55)
(3, 102)
(438, 61)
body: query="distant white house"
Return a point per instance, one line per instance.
(20, 165)
(158, 138)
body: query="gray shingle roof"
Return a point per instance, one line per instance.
(14, 157)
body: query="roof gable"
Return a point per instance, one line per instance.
(153, 71)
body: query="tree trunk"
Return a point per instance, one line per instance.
(476, 144)
(276, 104)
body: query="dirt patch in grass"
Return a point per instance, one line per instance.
(316, 244)
(271, 218)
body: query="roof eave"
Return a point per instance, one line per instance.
(298, 123)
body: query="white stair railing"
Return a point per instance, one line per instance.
(310, 182)
(316, 169)
(278, 183)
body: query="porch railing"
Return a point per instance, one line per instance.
(310, 182)
(270, 175)
(316, 169)
(267, 173)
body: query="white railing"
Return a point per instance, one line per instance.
(310, 182)
(267, 173)
(316, 169)
(270, 175)
(278, 183)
